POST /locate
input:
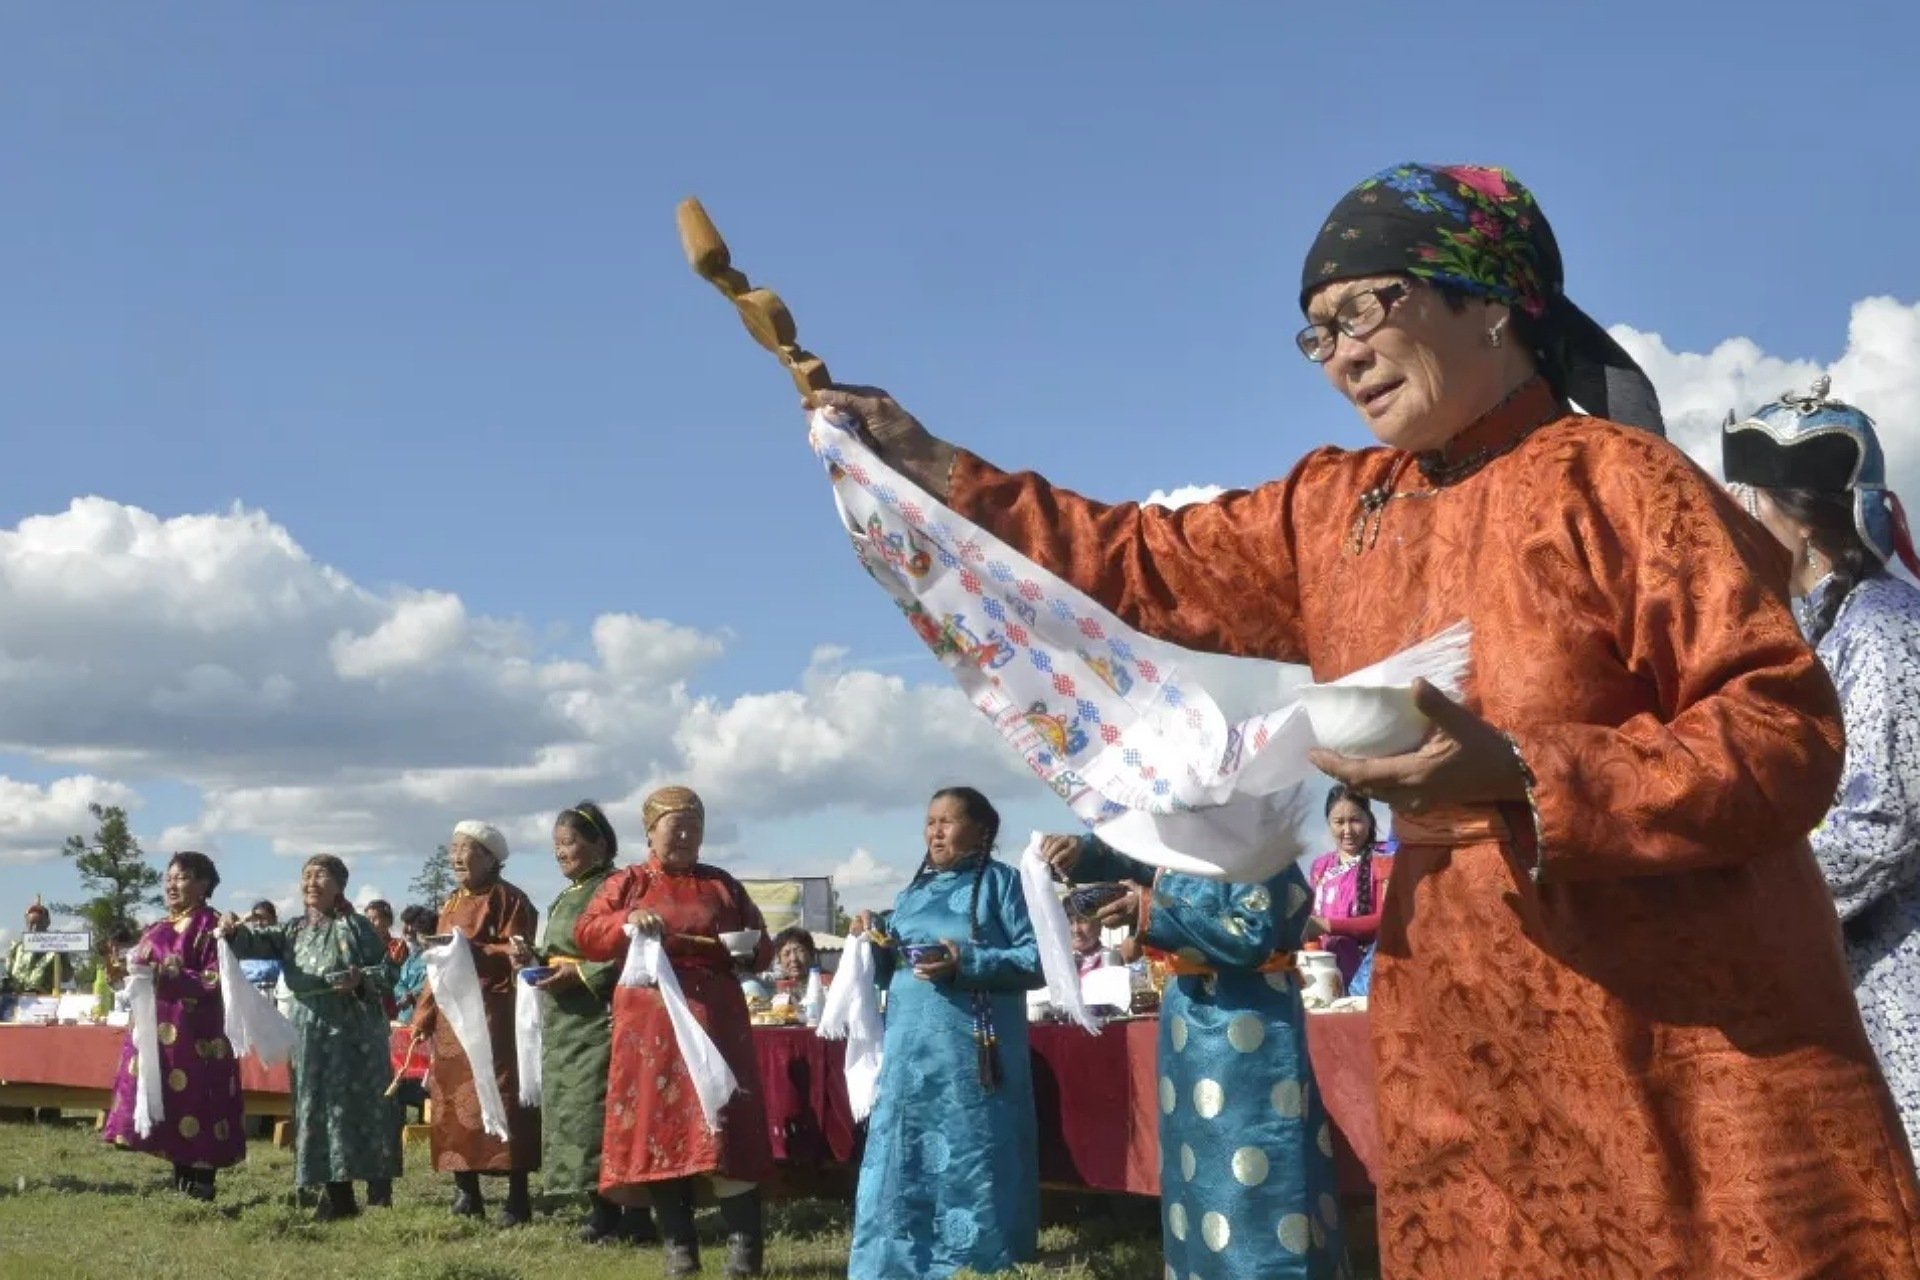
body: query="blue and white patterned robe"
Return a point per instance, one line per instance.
(1247, 1188)
(951, 1173)
(1868, 845)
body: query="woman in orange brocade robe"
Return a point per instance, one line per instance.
(1612, 1026)
(492, 913)
(657, 1139)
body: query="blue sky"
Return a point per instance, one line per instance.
(403, 285)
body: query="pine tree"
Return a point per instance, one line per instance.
(115, 871)
(434, 885)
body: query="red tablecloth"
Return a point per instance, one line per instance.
(1096, 1096)
(88, 1057)
(1096, 1099)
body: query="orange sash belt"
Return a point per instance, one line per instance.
(1453, 827)
(1278, 962)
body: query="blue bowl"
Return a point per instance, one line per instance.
(924, 953)
(534, 975)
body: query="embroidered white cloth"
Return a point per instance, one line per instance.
(529, 1021)
(252, 1023)
(713, 1080)
(1053, 936)
(1098, 710)
(456, 997)
(148, 1110)
(852, 1013)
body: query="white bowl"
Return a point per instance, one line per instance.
(1365, 720)
(741, 943)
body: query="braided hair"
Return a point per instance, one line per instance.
(979, 811)
(1363, 876)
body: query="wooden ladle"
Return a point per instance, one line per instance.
(761, 310)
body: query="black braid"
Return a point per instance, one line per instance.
(1363, 876)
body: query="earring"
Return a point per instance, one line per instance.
(1812, 560)
(1494, 337)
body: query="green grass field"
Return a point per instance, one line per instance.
(72, 1207)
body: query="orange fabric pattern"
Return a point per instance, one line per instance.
(461, 1144)
(1645, 1062)
(654, 1129)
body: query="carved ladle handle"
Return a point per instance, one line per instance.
(761, 310)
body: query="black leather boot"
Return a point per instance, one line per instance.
(518, 1210)
(636, 1225)
(602, 1222)
(339, 1203)
(182, 1174)
(199, 1184)
(745, 1219)
(673, 1210)
(380, 1193)
(467, 1200)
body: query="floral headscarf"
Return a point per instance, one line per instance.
(1479, 230)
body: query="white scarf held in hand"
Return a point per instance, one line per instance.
(1053, 936)
(147, 1108)
(713, 1080)
(457, 998)
(852, 1013)
(1100, 711)
(529, 1019)
(252, 1023)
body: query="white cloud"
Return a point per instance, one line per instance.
(844, 737)
(35, 821)
(1879, 370)
(214, 651)
(421, 631)
(1185, 495)
(864, 882)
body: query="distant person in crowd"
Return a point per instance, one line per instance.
(657, 1140)
(950, 1179)
(263, 973)
(121, 940)
(1246, 1157)
(31, 972)
(379, 914)
(1811, 470)
(202, 1125)
(334, 968)
(576, 1041)
(496, 917)
(795, 955)
(1089, 951)
(416, 922)
(1349, 883)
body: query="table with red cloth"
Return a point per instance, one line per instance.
(74, 1066)
(1096, 1096)
(1096, 1099)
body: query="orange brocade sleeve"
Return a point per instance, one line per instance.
(1740, 752)
(1215, 576)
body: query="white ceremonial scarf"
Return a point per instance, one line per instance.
(252, 1023)
(455, 983)
(852, 1013)
(713, 1080)
(1054, 937)
(1098, 710)
(529, 1032)
(148, 1109)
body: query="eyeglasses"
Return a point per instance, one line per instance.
(1358, 315)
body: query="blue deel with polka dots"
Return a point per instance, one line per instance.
(1247, 1189)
